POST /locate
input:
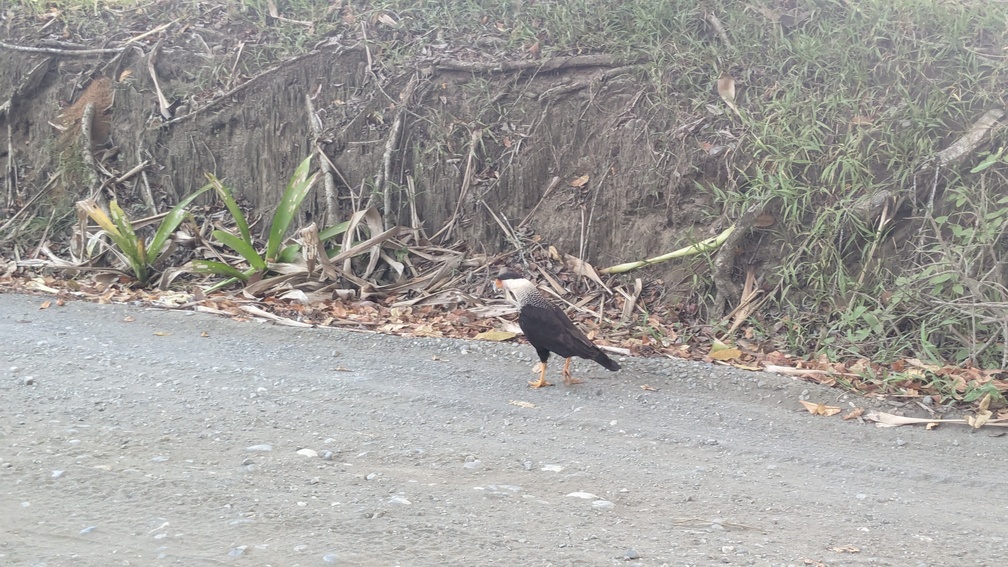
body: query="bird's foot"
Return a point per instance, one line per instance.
(537, 369)
(539, 383)
(569, 380)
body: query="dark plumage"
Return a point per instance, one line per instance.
(548, 328)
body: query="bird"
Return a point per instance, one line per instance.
(548, 328)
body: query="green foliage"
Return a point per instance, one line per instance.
(140, 257)
(298, 187)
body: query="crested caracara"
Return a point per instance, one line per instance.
(548, 329)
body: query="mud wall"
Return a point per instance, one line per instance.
(494, 138)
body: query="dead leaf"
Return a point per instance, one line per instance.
(820, 409)
(726, 90)
(496, 336)
(388, 21)
(648, 388)
(765, 220)
(161, 333)
(128, 319)
(522, 404)
(721, 351)
(204, 334)
(45, 305)
(853, 414)
(580, 181)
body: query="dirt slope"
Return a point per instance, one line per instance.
(128, 437)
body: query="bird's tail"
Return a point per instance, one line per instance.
(609, 364)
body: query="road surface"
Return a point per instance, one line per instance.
(136, 436)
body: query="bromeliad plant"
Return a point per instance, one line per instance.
(297, 189)
(141, 257)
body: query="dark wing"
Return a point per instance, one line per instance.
(549, 328)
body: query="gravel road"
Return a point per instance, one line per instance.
(135, 436)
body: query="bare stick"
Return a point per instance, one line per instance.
(63, 52)
(719, 28)
(331, 196)
(971, 139)
(87, 120)
(231, 93)
(415, 222)
(11, 177)
(162, 101)
(391, 145)
(554, 64)
(466, 181)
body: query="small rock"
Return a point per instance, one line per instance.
(630, 555)
(57, 474)
(237, 551)
(398, 499)
(307, 453)
(584, 495)
(159, 459)
(264, 447)
(474, 464)
(552, 468)
(900, 442)
(88, 530)
(328, 455)
(603, 505)
(371, 476)
(28, 381)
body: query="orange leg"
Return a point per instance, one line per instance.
(541, 369)
(568, 378)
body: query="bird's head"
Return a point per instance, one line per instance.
(504, 275)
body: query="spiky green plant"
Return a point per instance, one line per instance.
(139, 256)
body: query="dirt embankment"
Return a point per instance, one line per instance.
(455, 137)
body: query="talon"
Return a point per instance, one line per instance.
(569, 378)
(539, 383)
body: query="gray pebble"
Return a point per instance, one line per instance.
(28, 381)
(261, 447)
(237, 551)
(630, 555)
(603, 505)
(57, 474)
(88, 530)
(371, 476)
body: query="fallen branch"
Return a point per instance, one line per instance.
(595, 79)
(970, 140)
(554, 64)
(883, 419)
(61, 52)
(701, 247)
